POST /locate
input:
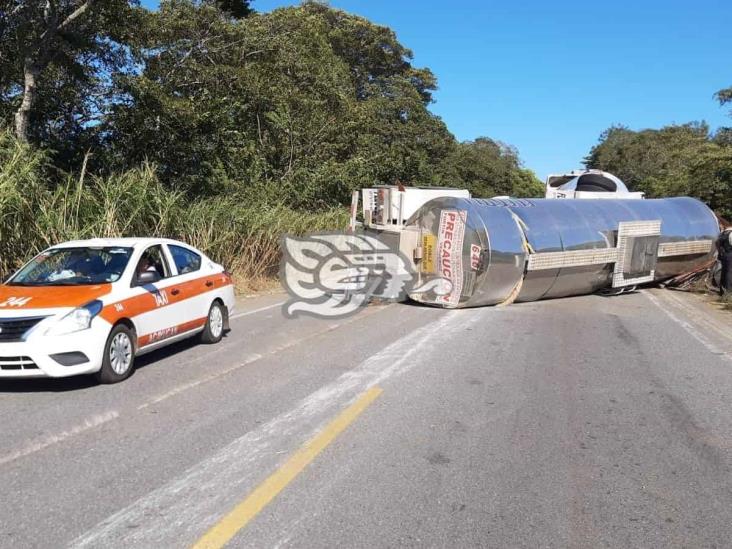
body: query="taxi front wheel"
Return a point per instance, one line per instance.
(119, 356)
(213, 331)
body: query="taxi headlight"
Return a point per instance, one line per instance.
(77, 320)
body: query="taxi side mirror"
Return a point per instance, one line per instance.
(147, 277)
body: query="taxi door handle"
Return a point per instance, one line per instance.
(175, 291)
(209, 283)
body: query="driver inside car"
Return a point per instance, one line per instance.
(146, 265)
(70, 270)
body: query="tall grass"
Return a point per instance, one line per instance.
(34, 214)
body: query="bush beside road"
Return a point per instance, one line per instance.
(34, 214)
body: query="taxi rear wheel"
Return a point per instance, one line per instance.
(213, 331)
(119, 356)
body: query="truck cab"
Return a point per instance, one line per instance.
(588, 184)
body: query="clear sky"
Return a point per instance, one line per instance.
(549, 76)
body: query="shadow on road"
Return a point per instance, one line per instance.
(46, 385)
(65, 384)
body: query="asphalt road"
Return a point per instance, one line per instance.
(582, 422)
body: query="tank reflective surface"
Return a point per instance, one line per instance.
(483, 246)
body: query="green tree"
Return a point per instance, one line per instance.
(221, 100)
(491, 168)
(238, 9)
(724, 96)
(56, 56)
(712, 175)
(653, 161)
(299, 106)
(723, 137)
(678, 160)
(304, 103)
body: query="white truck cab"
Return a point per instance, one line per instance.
(588, 184)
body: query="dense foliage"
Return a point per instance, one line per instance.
(34, 214)
(675, 160)
(206, 121)
(55, 61)
(301, 105)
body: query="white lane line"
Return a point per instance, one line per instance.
(253, 358)
(689, 327)
(90, 423)
(706, 322)
(255, 311)
(97, 420)
(177, 513)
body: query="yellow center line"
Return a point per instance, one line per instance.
(220, 534)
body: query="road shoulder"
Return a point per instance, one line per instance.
(698, 316)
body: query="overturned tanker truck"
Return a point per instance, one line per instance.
(501, 250)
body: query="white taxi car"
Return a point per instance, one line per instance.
(91, 306)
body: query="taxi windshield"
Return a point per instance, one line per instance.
(73, 267)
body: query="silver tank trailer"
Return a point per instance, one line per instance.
(497, 251)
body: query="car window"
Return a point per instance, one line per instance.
(185, 260)
(74, 266)
(153, 260)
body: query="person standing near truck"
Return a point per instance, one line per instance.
(725, 257)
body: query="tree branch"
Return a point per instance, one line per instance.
(78, 12)
(50, 19)
(16, 10)
(724, 96)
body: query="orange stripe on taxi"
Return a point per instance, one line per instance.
(166, 333)
(154, 299)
